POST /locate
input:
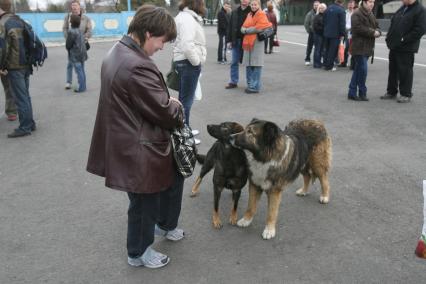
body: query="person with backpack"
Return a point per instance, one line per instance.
(16, 65)
(77, 52)
(85, 28)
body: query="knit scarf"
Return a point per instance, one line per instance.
(257, 20)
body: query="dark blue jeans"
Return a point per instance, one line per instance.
(319, 50)
(221, 49)
(309, 46)
(146, 210)
(332, 46)
(188, 79)
(253, 74)
(81, 75)
(19, 81)
(359, 77)
(237, 52)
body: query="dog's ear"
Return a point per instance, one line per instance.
(254, 119)
(270, 133)
(237, 128)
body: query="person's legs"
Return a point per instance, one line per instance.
(79, 70)
(220, 49)
(353, 86)
(345, 62)
(405, 71)
(236, 55)
(249, 77)
(333, 44)
(10, 106)
(309, 46)
(19, 85)
(170, 205)
(188, 79)
(224, 48)
(271, 42)
(69, 72)
(392, 88)
(362, 76)
(318, 42)
(256, 74)
(142, 217)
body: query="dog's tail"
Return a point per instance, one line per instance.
(201, 158)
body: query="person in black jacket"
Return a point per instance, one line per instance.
(318, 25)
(234, 40)
(223, 18)
(334, 32)
(407, 27)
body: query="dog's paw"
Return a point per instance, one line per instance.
(301, 192)
(268, 233)
(217, 224)
(243, 222)
(324, 199)
(233, 219)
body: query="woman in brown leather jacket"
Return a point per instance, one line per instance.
(131, 144)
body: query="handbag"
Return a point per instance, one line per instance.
(87, 45)
(265, 34)
(341, 52)
(172, 78)
(184, 150)
(276, 41)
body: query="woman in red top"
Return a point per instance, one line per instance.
(273, 19)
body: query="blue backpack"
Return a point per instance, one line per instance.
(35, 48)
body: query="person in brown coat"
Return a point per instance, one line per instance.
(131, 144)
(365, 30)
(273, 20)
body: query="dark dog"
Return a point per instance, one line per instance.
(276, 158)
(230, 168)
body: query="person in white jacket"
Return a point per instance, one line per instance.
(189, 52)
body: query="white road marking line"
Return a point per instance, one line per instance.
(375, 57)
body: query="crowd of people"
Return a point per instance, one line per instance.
(354, 30)
(16, 67)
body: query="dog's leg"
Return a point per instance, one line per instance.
(216, 218)
(196, 188)
(274, 201)
(303, 191)
(235, 197)
(254, 195)
(325, 189)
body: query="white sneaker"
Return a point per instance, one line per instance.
(195, 132)
(307, 63)
(150, 258)
(173, 235)
(197, 141)
(67, 86)
(334, 69)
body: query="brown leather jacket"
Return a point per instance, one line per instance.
(363, 26)
(131, 144)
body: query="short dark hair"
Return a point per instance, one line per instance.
(339, 1)
(75, 1)
(75, 21)
(155, 20)
(195, 5)
(6, 5)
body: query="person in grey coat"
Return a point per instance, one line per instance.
(77, 53)
(85, 28)
(255, 22)
(309, 20)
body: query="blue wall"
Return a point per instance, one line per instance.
(48, 26)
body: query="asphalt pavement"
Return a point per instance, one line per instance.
(59, 224)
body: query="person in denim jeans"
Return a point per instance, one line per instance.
(365, 30)
(17, 69)
(189, 52)
(318, 26)
(235, 41)
(77, 53)
(85, 28)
